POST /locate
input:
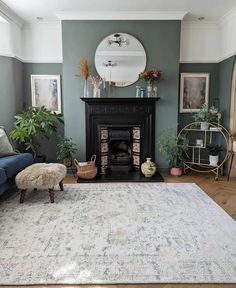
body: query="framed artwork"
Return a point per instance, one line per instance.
(194, 91)
(46, 91)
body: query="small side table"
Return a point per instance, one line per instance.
(231, 163)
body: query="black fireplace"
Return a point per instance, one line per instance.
(120, 131)
(119, 150)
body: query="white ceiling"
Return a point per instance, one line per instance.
(28, 10)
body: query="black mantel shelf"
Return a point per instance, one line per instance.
(119, 100)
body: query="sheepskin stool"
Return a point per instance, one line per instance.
(41, 176)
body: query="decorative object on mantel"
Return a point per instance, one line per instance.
(151, 77)
(96, 82)
(148, 168)
(85, 71)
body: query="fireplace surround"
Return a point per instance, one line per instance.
(120, 131)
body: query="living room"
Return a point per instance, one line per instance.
(180, 40)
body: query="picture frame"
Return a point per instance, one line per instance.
(194, 91)
(46, 91)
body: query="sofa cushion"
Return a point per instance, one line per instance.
(6, 147)
(3, 176)
(15, 163)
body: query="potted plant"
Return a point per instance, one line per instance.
(233, 136)
(34, 124)
(66, 149)
(204, 116)
(214, 150)
(175, 148)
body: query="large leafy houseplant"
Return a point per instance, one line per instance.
(175, 148)
(34, 124)
(66, 149)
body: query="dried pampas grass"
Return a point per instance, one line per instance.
(84, 68)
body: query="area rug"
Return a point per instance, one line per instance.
(117, 233)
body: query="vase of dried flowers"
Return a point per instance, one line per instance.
(85, 71)
(96, 82)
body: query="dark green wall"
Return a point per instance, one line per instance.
(220, 86)
(11, 96)
(161, 40)
(213, 69)
(48, 147)
(225, 82)
(37, 68)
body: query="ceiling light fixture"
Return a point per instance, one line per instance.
(110, 64)
(118, 39)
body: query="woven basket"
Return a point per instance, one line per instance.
(88, 171)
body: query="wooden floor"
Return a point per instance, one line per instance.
(222, 192)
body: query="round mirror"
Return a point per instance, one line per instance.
(119, 59)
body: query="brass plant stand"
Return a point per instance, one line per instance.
(197, 149)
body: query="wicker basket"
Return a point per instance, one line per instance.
(88, 171)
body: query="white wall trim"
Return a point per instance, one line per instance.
(9, 15)
(59, 61)
(121, 15)
(37, 23)
(200, 24)
(53, 61)
(198, 62)
(7, 55)
(227, 56)
(210, 61)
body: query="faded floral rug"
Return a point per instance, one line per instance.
(117, 233)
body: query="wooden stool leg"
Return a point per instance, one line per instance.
(22, 195)
(61, 185)
(51, 194)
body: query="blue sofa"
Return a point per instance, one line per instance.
(10, 166)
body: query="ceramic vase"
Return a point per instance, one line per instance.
(204, 126)
(86, 93)
(154, 91)
(96, 92)
(234, 146)
(148, 168)
(149, 90)
(213, 160)
(176, 171)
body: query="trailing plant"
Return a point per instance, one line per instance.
(175, 148)
(214, 149)
(34, 124)
(66, 149)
